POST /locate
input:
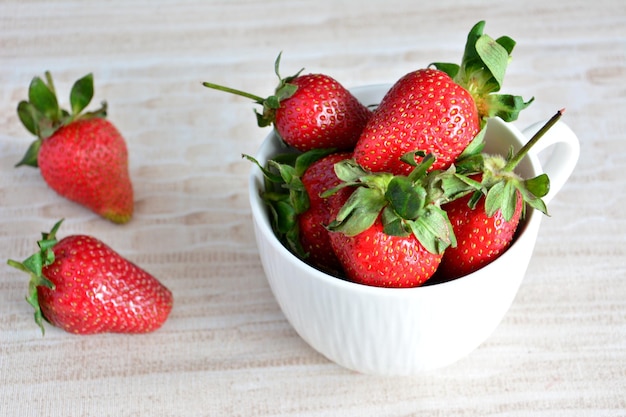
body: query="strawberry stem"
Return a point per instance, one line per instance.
(283, 91)
(255, 98)
(511, 164)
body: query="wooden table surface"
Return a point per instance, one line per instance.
(227, 349)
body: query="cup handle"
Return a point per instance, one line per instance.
(560, 164)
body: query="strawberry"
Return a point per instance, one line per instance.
(373, 257)
(486, 221)
(294, 183)
(82, 157)
(317, 179)
(312, 111)
(440, 110)
(482, 238)
(424, 110)
(83, 286)
(389, 230)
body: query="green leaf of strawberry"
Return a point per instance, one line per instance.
(43, 97)
(506, 106)
(495, 58)
(33, 265)
(28, 116)
(482, 73)
(31, 155)
(539, 186)
(501, 196)
(449, 185)
(433, 229)
(81, 94)
(359, 212)
(405, 199)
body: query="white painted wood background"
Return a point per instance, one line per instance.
(226, 349)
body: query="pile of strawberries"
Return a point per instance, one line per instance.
(398, 194)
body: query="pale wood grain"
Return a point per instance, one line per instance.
(227, 349)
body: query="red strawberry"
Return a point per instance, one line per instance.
(425, 110)
(485, 222)
(480, 238)
(81, 156)
(440, 111)
(373, 257)
(294, 183)
(317, 179)
(311, 111)
(83, 286)
(389, 230)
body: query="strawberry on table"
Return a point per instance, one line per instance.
(485, 221)
(83, 286)
(81, 156)
(440, 110)
(311, 111)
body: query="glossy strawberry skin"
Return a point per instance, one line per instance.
(86, 161)
(97, 290)
(320, 114)
(424, 110)
(377, 259)
(318, 178)
(480, 239)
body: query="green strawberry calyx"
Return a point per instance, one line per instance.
(283, 91)
(285, 195)
(33, 265)
(500, 185)
(482, 72)
(42, 115)
(407, 205)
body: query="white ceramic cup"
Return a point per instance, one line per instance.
(403, 331)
